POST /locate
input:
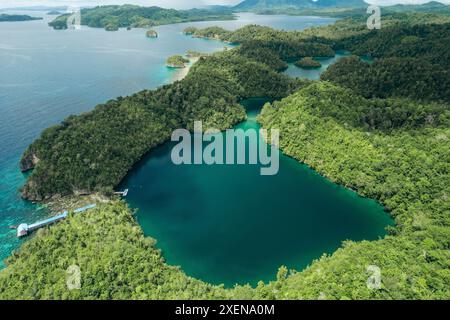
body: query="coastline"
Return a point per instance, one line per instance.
(181, 73)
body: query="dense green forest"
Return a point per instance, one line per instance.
(177, 61)
(308, 62)
(292, 4)
(395, 151)
(94, 151)
(386, 139)
(355, 12)
(15, 17)
(115, 259)
(114, 17)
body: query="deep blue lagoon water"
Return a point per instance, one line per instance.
(46, 75)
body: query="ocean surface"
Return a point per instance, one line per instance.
(46, 75)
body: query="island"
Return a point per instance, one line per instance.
(215, 33)
(112, 17)
(151, 34)
(189, 31)
(195, 54)
(112, 27)
(54, 13)
(16, 18)
(176, 61)
(308, 63)
(388, 143)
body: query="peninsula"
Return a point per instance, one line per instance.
(177, 61)
(15, 18)
(113, 17)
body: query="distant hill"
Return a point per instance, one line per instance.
(429, 7)
(113, 17)
(270, 4)
(334, 8)
(54, 13)
(16, 17)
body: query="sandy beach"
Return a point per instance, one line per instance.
(183, 72)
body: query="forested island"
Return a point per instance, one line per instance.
(381, 129)
(176, 61)
(114, 17)
(333, 8)
(54, 13)
(151, 34)
(16, 17)
(308, 63)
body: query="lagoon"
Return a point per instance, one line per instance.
(230, 224)
(220, 224)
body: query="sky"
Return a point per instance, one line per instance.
(178, 4)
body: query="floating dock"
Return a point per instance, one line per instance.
(122, 193)
(24, 229)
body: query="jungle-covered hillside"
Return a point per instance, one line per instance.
(385, 135)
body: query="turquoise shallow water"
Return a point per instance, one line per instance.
(47, 75)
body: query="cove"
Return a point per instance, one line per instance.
(228, 224)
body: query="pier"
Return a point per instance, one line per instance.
(122, 193)
(24, 229)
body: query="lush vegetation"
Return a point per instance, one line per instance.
(392, 77)
(195, 54)
(412, 61)
(387, 139)
(151, 34)
(292, 4)
(390, 150)
(115, 261)
(115, 17)
(15, 17)
(94, 151)
(287, 46)
(341, 9)
(54, 13)
(177, 61)
(308, 62)
(215, 32)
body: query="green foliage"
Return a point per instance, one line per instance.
(177, 61)
(138, 17)
(253, 51)
(15, 17)
(196, 54)
(308, 62)
(405, 168)
(151, 34)
(345, 10)
(392, 77)
(94, 151)
(116, 261)
(189, 31)
(289, 46)
(429, 42)
(381, 129)
(210, 33)
(292, 4)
